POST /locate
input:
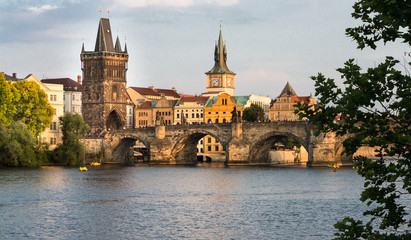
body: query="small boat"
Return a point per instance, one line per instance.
(333, 166)
(81, 169)
(95, 164)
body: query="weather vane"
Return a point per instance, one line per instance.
(108, 12)
(100, 11)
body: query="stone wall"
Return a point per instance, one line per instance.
(96, 150)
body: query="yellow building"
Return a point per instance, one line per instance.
(219, 109)
(283, 107)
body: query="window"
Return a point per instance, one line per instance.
(53, 97)
(216, 148)
(209, 140)
(209, 148)
(192, 115)
(53, 126)
(53, 141)
(114, 93)
(55, 111)
(178, 115)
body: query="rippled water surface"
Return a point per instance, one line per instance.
(176, 202)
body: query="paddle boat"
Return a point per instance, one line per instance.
(82, 169)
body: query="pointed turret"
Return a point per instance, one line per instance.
(125, 47)
(82, 48)
(104, 41)
(220, 57)
(288, 90)
(118, 46)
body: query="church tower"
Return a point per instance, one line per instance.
(104, 82)
(220, 78)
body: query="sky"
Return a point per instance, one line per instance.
(171, 42)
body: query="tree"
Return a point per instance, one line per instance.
(8, 97)
(73, 128)
(18, 146)
(33, 107)
(253, 113)
(373, 108)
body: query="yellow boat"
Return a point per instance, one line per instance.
(81, 169)
(333, 166)
(95, 164)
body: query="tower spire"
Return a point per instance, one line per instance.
(220, 55)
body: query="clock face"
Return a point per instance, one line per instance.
(229, 82)
(215, 82)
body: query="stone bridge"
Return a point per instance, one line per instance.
(244, 143)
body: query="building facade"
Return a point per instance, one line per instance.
(190, 110)
(104, 82)
(72, 93)
(219, 109)
(283, 108)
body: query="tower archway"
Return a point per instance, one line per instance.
(114, 121)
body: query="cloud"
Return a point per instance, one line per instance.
(44, 8)
(171, 3)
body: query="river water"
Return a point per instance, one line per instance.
(112, 202)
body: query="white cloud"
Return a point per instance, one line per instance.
(44, 8)
(171, 3)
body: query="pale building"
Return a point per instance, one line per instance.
(72, 93)
(190, 110)
(55, 92)
(283, 107)
(263, 102)
(129, 112)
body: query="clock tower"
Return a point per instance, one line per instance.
(220, 78)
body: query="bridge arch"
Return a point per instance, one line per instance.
(259, 150)
(123, 151)
(184, 149)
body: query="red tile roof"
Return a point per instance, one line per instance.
(305, 99)
(145, 105)
(199, 99)
(156, 92)
(68, 83)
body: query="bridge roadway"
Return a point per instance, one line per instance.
(244, 143)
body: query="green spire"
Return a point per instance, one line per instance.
(220, 57)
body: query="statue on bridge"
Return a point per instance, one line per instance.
(235, 116)
(159, 119)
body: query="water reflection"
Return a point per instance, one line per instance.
(176, 202)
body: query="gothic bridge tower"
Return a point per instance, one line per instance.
(104, 81)
(220, 78)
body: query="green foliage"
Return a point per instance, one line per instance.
(385, 20)
(18, 146)
(373, 108)
(71, 151)
(289, 143)
(24, 101)
(8, 97)
(254, 113)
(33, 108)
